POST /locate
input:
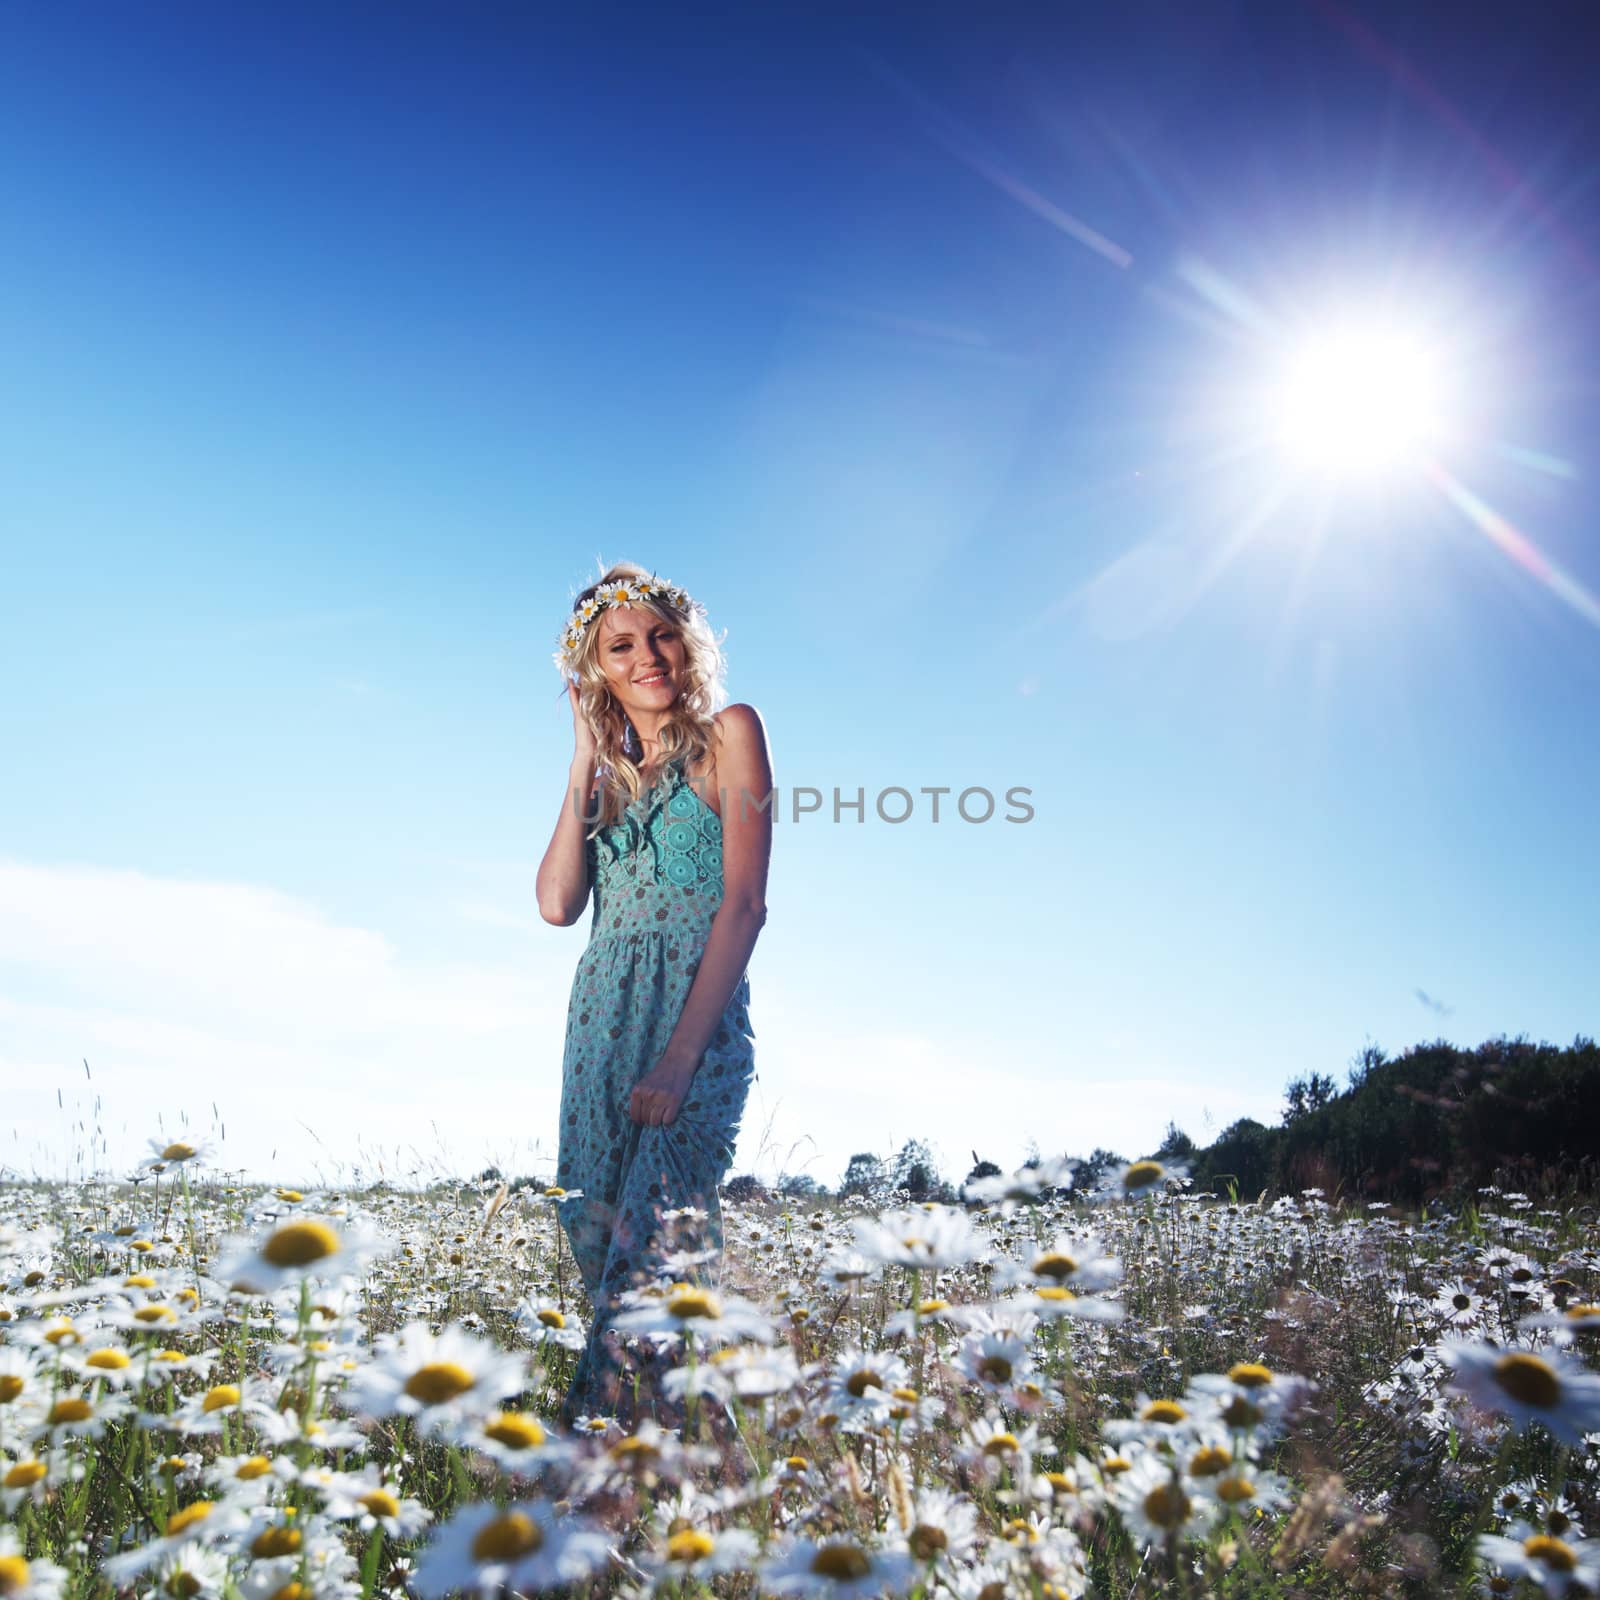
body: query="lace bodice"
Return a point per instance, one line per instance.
(658, 868)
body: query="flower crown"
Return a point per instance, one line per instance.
(628, 592)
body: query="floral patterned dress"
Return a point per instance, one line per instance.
(657, 876)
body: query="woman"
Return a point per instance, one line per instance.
(658, 1056)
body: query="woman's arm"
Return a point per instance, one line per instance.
(744, 782)
(563, 882)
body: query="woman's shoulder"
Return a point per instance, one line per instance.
(740, 722)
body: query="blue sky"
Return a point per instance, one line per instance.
(929, 349)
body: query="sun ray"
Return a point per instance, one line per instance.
(1514, 543)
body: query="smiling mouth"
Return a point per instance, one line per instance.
(644, 683)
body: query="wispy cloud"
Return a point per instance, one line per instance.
(184, 992)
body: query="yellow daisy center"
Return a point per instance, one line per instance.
(13, 1574)
(1000, 1444)
(292, 1590)
(220, 1396)
(182, 1521)
(108, 1360)
(846, 1562)
(1235, 1489)
(1164, 1411)
(552, 1318)
(634, 1451)
(298, 1244)
(253, 1467)
(1528, 1379)
(71, 1409)
(1055, 1265)
(177, 1152)
(380, 1503)
(689, 1545)
(138, 1280)
(514, 1428)
(1209, 1461)
(995, 1369)
(1142, 1173)
(929, 1307)
(273, 1542)
(182, 1585)
(1166, 1506)
(10, 1387)
(859, 1382)
(927, 1541)
(506, 1538)
(1249, 1375)
(25, 1474)
(687, 1303)
(438, 1382)
(156, 1313)
(1556, 1553)
(1239, 1414)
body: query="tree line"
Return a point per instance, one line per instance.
(1433, 1120)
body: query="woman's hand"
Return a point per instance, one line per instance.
(584, 747)
(658, 1095)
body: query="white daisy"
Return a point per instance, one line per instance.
(178, 1153)
(688, 1309)
(690, 1555)
(1025, 1186)
(859, 1386)
(523, 1548)
(944, 1529)
(209, 1412)
(517, 1440)
(543, 1324)
(990, 1445)
(368, 1500)
(437, 1378)
(930, 1235)
(22, 1579)
(205, 1520)
(1074, 1261)
(1157, 1502)
(303, 1247)
(1554, 1565)
(1551, 1388)
(838, 1568)
(192, 1570)
(995, 1362)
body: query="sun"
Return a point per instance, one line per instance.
(1358, 398)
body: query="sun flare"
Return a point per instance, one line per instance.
(1357, 398)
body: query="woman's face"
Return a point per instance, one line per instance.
(642, 657)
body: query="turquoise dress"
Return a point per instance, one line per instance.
(657, 877)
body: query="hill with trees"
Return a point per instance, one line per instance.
(1433, 1120)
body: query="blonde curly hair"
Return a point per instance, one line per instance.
(689, 732)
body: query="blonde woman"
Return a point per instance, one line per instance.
(667, 826)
